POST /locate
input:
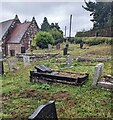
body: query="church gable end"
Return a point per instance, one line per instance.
(29, 34)
(18, 35)
(13, 24)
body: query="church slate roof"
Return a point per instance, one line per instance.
(4, 26)
(18, 33)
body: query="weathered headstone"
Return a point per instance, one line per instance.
(45, 112)
(12, 64)
(69, 60)
(26, 60)
(49, 46)
(1, 64)
(58, 46)
(98, 71)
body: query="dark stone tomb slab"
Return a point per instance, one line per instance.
(42, 68)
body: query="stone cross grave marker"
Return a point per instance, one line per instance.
(49, 47)
(26, 60)
(69, 60)
(12, 64)
(98, 71)
(45, 112)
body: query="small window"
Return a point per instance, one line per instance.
(22, 49)
(12, 52)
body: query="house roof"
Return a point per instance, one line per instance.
(18, 33)
(4, 27)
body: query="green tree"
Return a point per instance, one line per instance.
(55, 25)
(45, 25)
(42, 39)
(101, 12)
(56, 34)
(52, 25)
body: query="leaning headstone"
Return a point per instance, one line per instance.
(1, 64)
(26, 60)
(12, 64)
(69, 60)
(45, 112)
(98, 71)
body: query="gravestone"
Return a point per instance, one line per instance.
(65, 51)
(81, 45)
(67, 45)
(49, 46)
(1, 64)
(58, 46)
(12, 64)
(26, 60)
(45, 112)
(98, 71)
(69, 60)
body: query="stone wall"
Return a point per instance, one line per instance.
(15, 47)
(31, 31)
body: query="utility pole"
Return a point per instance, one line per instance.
(65, 31)
(70, 26)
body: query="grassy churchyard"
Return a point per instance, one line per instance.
(20, 97)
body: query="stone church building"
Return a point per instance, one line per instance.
(16, 37)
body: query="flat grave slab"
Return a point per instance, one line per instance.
(37, 56)
(91, 59)
(106, 82)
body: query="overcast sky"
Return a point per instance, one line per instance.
(58, 12)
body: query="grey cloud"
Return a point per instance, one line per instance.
(54, 11)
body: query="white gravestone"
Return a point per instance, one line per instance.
(12, 64)
(69, 60)
(98, 71)
(26, 60)
(49, 46)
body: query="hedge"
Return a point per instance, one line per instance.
(94, 40)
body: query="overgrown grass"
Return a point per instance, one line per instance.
(20, 97)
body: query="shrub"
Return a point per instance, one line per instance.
(97, 40)
(109, 41)
(78, 40)
(42, 39)
(56, 34)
